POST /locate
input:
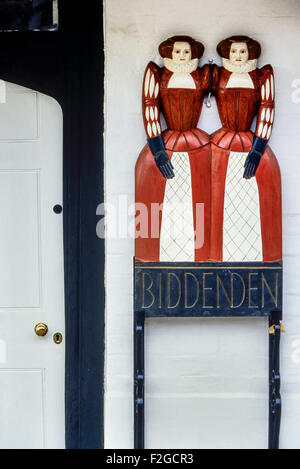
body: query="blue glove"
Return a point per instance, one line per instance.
(157, 147)
(254, 156)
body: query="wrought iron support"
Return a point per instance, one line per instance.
(139, 378)
(275, 329)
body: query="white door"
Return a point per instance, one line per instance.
(31, 270)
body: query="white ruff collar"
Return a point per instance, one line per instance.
(186, 67)
(247, 67)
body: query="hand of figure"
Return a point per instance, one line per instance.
(164, 164)
(251, 164)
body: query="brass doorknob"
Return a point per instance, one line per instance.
(41, 329)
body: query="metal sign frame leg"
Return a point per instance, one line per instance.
(274, 380)
(139, 378)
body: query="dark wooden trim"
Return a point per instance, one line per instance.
(68, 65)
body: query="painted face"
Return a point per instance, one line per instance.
(181, 52)
(239, 53)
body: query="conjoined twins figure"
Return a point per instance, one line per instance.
(208, 198)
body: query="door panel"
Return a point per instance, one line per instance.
(20, 248)
(26, 400)
(31, 271)
(19, 125)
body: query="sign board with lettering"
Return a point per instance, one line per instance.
(208, 289)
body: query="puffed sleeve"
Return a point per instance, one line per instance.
(265, 117)
(150, 100)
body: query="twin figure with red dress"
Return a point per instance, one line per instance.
(214, 198)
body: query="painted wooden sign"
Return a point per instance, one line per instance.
(208, 207)
(208, 290)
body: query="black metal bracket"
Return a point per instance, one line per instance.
(139, 380)
(274, 380)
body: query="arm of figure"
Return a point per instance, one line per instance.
(265, 121)
(152, 120)
(214, 78)
(207, 81)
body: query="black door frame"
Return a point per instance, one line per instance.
(68, 65)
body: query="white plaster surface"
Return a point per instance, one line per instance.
(206, 380)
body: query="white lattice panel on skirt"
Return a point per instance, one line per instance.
(177, 228)
(241, 226)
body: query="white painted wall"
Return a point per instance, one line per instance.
(206, 379)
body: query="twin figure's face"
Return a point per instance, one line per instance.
(238, 52)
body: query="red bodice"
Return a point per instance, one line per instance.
(181, 107)
(237, 106)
